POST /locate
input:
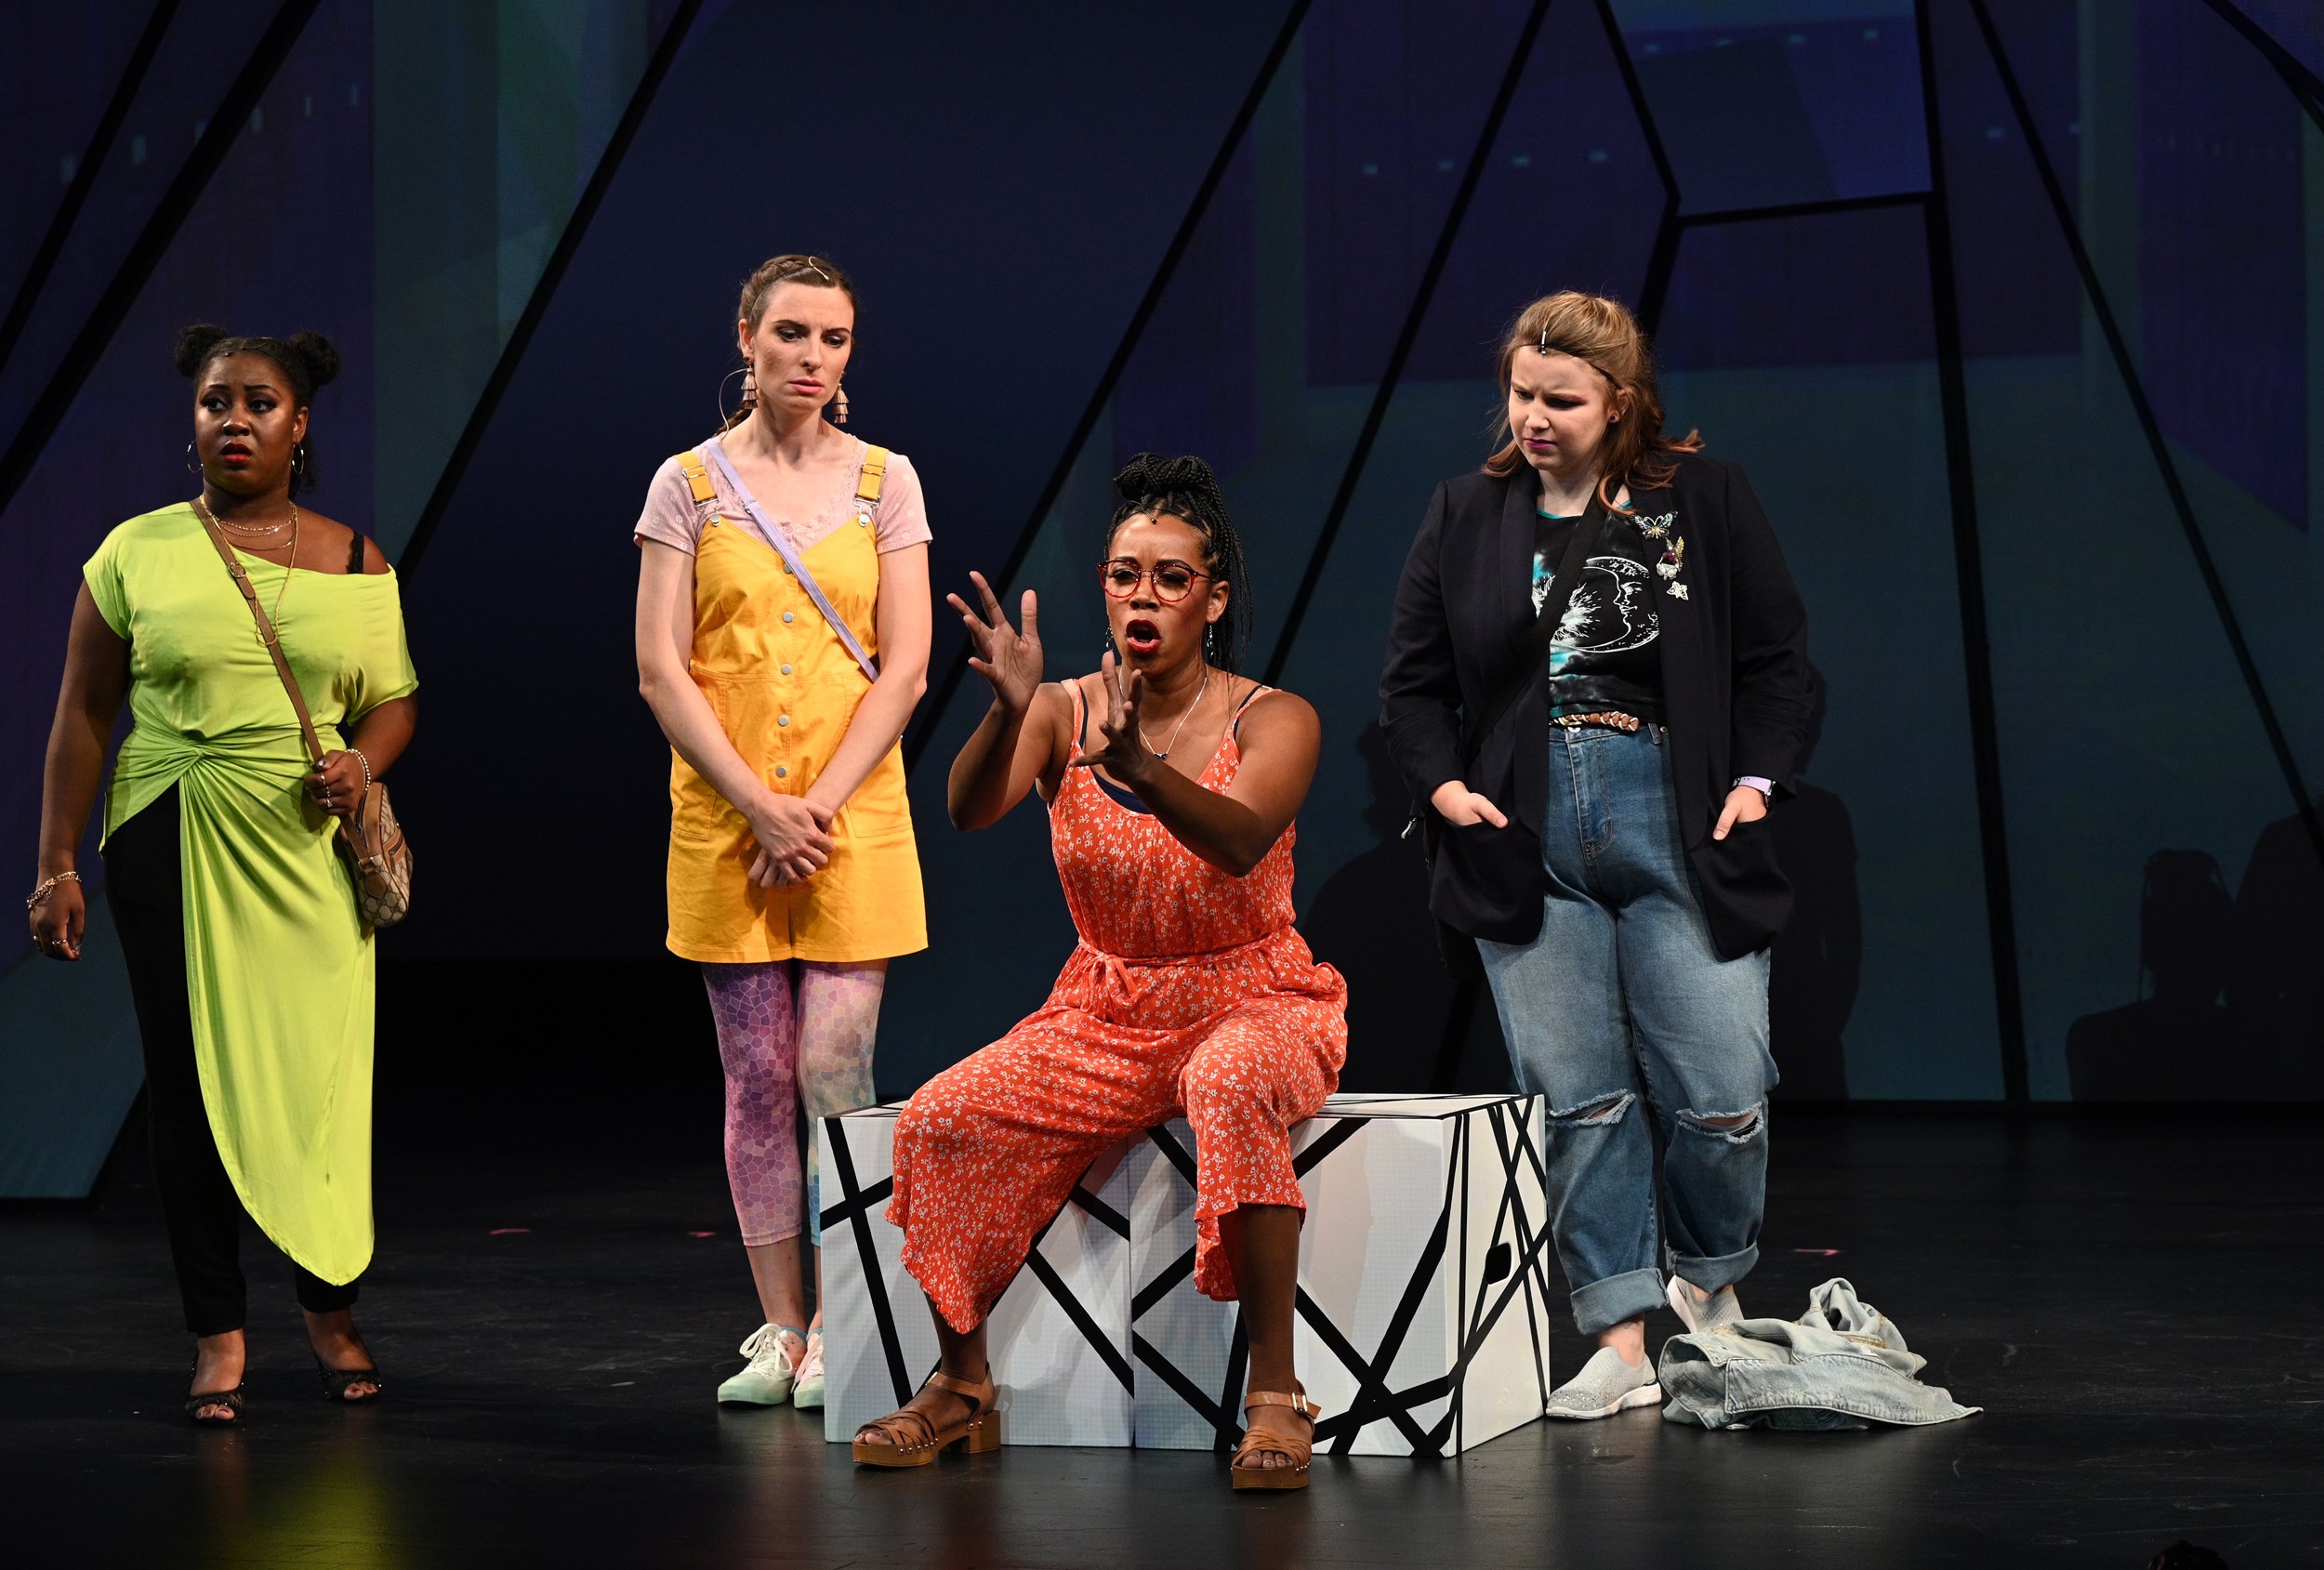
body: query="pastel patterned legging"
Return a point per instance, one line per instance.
(789, 1032)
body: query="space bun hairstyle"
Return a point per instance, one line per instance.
(1186, 488)
(309, 361)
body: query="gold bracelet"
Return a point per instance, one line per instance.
(41, 891)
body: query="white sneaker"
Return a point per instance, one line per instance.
(766, 1381)
(1605, 1385)
(808, 1391)
(1702, 1313)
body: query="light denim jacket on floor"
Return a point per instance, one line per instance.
(1842, 1364)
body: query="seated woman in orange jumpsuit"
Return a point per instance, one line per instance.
(1170, 810)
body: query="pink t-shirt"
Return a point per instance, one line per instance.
(672, 517)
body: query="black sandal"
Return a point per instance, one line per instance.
(229, 1399)
(335, 1381)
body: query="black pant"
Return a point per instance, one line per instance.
(145, 887)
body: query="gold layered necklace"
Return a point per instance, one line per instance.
(248, 531)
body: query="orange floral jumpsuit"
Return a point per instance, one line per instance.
(1189, 993)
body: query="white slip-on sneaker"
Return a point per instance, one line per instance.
(766, 1380)
(1604, 1386)
(1702, 1313)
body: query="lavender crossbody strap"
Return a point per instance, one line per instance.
(782, 543)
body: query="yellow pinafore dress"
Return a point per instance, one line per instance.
(785, 687)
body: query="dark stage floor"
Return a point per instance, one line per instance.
(2130, 1299)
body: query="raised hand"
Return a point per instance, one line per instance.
(1008, 659)
(1120, 747)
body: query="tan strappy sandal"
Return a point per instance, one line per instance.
(1300, 1451)
(908, 1439)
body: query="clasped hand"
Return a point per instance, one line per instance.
(794, 836)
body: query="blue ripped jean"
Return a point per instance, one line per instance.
(1624, 1018)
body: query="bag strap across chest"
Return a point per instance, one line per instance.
(868, 480)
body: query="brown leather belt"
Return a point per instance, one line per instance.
(1610, 719)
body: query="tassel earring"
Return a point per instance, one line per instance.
(750, 388)
(839, 406)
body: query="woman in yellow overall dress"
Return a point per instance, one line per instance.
(793, 874)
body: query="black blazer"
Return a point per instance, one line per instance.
(1734, 679)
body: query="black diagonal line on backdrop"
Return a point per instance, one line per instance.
(1976, 645)
(1414, 316)
(1196, 1397)
(1815, 209)
(932, 709)
(85, 177)
(1517, 1155)
(1663, 259)
(875, 1279)
(1099, 1211)
(1046, 1274)
(2304, 83)
(544, 288)
(1373, 1399)
(1167, 1142)
(1177, 1270)
(849, 1203)
(153, 242)
(2152, 426)
(1331, 1139)
(1374, 1374)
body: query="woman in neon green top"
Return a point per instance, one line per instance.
(251, 971)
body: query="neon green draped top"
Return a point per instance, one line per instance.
(279, 967)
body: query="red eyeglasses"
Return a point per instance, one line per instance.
(1173, 580)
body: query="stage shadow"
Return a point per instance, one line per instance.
(2231, 994)
(1819, 960)
(1410, 1026)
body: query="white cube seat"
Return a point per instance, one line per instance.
(1423, 1309)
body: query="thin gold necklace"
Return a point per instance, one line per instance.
(276, 618)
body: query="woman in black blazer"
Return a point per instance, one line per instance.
(1603, 840)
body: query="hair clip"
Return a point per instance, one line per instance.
(1543, 346)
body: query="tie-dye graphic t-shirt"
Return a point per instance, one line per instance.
(1604, 655)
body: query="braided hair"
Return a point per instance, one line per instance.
(309, 361)
(1186, 488)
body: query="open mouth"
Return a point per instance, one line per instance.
(233, 453)
(1141, 636)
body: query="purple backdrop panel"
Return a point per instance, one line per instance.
(59, 66)
(1396, 93)
(1787, 111)
(1570, 200)
(1832, 289)
(2223, 294)
(1194, 386)
(199, 58)
(272, 247)
(2298, 25)
(2006, 249)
